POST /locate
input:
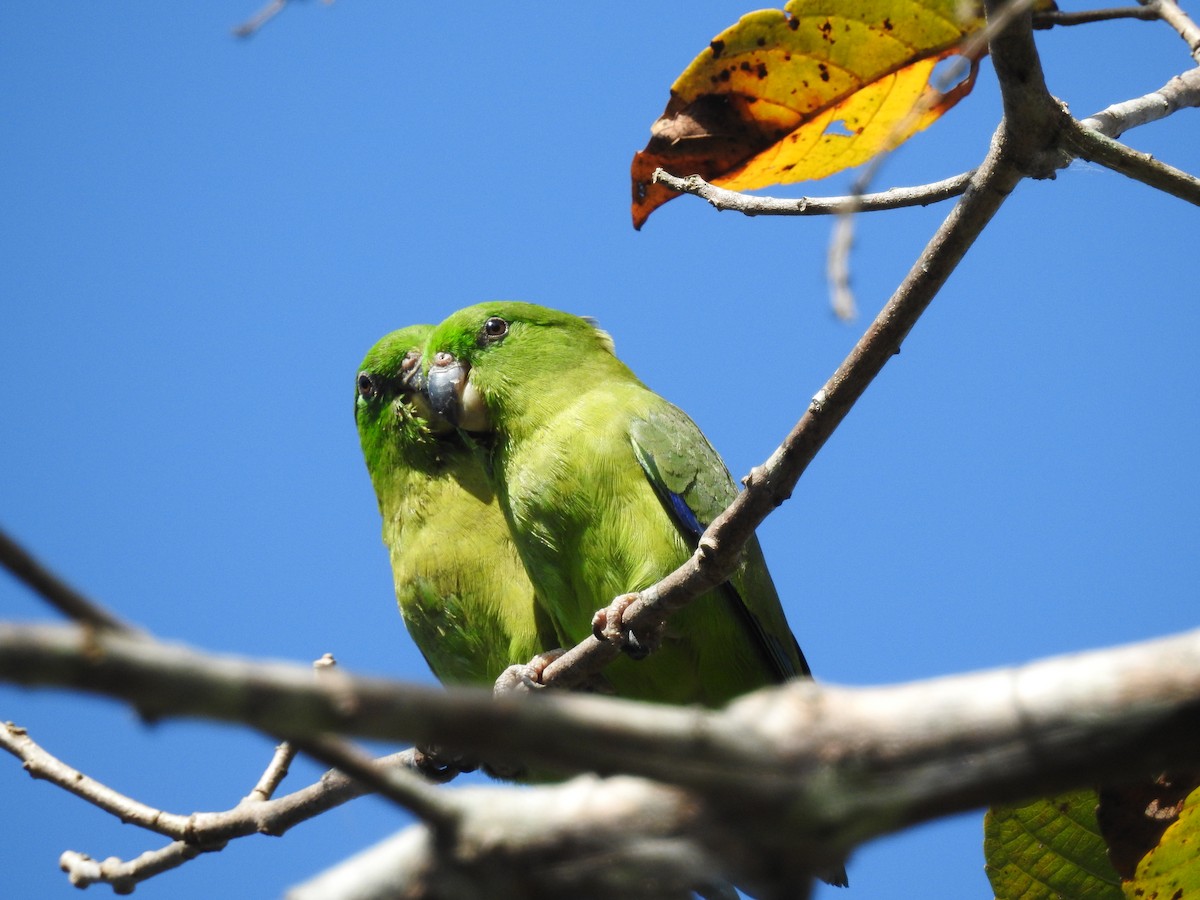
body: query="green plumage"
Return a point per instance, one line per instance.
(460, 584)
(606, 487)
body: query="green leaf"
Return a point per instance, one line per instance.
(1049, 850)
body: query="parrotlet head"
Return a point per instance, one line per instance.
(394, 418)
(503, 348)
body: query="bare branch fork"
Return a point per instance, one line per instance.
(1180, 92)
(192, 834)
(204, 832)
(257, 813)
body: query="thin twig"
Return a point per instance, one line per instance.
(193, 834)
(1095, 147)
(410, 791)
(262, 17)
(837, 266)
(54, 590)
(273, 775)
(1060, 17)
(751, 205)
(250, 816)
(42, 765)
(84, 871)
(1180, 92)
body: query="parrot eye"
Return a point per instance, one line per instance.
(494, 329)
(368, 386)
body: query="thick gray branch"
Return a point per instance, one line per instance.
(588, 838)
(838, 765)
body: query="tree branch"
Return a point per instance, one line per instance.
(1170, 12)
(837, 765)
(123, 876)
(273, 775)
(588, 838)
(1029, 143)
(53, 589)
(1180, 92)
(769, 485)
(196, 833)
(273, 8)
(751, 205)
(42, 765)
(1095, 147)
(1058, 17)
(407, 789)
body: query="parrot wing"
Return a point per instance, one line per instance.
(695, 487)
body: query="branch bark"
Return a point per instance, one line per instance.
(1180, 92)
(27, 569)
(781, 783)
(1171, 13)
(769, 485)
(751, 205)
(196, 833)
(1032, 141)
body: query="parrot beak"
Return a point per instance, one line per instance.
(411, 378)
(412, 393)
(453, 396)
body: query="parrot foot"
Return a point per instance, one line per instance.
(440, 765)
(527, 677)
(608, 625)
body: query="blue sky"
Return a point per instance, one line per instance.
(203, 236)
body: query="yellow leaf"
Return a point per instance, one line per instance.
(800, 93)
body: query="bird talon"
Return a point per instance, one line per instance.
(525, 678)
(438, 765)
(609, 625)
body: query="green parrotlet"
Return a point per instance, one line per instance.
(462, 589)
(607, 487)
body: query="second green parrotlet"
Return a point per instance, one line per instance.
(462, 589)
(606, 487)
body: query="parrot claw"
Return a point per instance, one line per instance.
(525, 678)
(438, 765)
(608, 625)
